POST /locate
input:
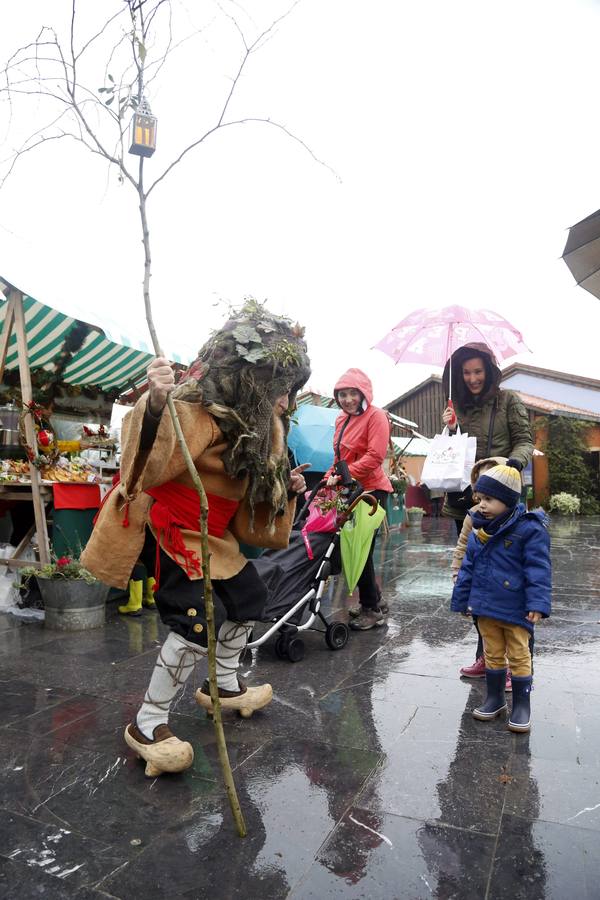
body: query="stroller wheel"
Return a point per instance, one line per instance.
(281, 647)
(295, 650)
(337, 635)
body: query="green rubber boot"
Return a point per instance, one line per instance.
(149, 593)
(134, 604)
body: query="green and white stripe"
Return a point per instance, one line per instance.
(100, 361)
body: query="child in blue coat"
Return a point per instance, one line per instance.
(505, 580)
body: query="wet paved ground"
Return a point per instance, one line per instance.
(367, 776)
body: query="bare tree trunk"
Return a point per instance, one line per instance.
(208, 596)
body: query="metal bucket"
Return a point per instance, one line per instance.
(9, 418)
(10, 439)
(73, 604)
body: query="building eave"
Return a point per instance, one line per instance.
(431, 379)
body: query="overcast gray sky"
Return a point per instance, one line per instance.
(466, 140)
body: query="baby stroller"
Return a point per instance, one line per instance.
(296, 582)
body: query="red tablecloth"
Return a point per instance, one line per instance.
(76, 496)
(416, 496)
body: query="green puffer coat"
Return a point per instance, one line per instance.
(512, 432)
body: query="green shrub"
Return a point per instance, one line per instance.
(568, 466)
(566, 504)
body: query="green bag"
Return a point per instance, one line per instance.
(355, 541)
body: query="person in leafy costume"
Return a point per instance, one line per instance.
(233, 404)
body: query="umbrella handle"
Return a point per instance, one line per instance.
(452, 422)
(369, 499)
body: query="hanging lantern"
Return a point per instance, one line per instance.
(143, 130)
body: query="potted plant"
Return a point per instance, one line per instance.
(414, 515)
(399, 483)
(74, 600)
(565, 504)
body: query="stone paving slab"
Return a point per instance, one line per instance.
(366, 777)
(383, 855)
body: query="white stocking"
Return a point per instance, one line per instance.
(173, 667)
(231, 642)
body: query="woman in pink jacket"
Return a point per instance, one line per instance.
(362, 434)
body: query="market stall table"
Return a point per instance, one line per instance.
(75, 506)
(22, 491)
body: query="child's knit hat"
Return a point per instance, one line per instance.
(502, 482)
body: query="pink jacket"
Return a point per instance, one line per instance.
(362, 440)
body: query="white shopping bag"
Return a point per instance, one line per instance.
(447, 462)
(469, 461)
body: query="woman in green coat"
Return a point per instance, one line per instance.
(496, 417)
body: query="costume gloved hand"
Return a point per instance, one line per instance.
(515, 464)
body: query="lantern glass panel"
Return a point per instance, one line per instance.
(143, 134)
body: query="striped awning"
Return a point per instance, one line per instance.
(101, 361)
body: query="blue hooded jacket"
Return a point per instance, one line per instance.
(511, 574)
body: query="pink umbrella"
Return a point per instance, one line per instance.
(432, 335)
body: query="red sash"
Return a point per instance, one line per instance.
(176, 507)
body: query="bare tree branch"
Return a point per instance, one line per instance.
(261, 39)
(249, 48)
(244, 121)
(99, 34)
(24, 150)
(236, 26)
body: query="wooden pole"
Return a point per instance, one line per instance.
(9, 318)
(16, 297)
(228, 779)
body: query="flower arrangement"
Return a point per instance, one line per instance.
(328, 499)
(399, 483)
(565, 504)
(66, 567)
(415, 509)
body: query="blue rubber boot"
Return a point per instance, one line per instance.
(495, 702)
(520, 717)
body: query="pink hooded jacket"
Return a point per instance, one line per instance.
(362, 440)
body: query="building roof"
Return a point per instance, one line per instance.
(553, 408)
(551, 375)
(314, 399)
(508, 372)
(431, 379)
(531, 401)
(411, 446)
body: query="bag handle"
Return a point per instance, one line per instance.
(455, 433)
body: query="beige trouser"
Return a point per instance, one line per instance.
(501, 640)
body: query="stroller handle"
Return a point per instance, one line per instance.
(300, 515)
(343, 518)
